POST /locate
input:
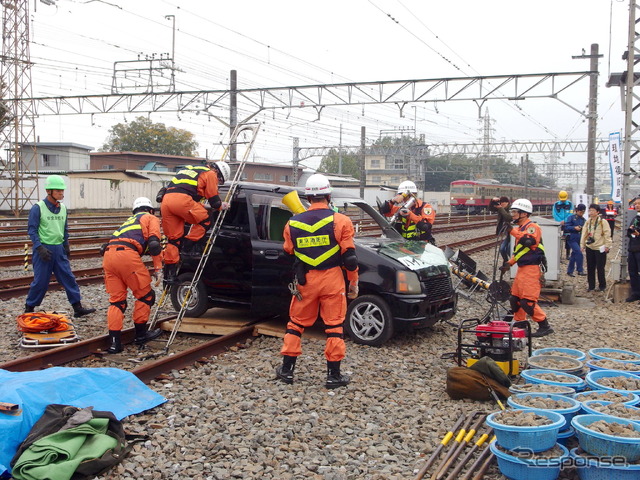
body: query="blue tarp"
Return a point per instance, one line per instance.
(109, 389)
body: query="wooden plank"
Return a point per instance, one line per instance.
(207, 326)
(276, 328)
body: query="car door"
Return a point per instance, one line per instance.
(227, 275)
(271, 265)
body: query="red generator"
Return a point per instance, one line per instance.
(497, 339)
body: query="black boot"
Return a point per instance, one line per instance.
(334, 378)
(80, 311)
(170, 274)
(28, 308)
(543, 329)
(115, 341)
(143, 335)
(285, 371)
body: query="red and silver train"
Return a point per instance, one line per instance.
(473, 196)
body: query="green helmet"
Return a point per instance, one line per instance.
(54, 182)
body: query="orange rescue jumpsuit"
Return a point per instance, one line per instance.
(525, 290)
(417, 224)
(181, 204)
(123, 268)
(324, 290)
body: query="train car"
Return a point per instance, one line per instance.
(473, 196)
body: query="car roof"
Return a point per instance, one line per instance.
(264, 187)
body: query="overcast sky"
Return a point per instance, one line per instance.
(285, 42)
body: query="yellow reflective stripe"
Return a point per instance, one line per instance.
(314, 262)
(311, 228)
(117, 233)
(186, 180)
(519, 252)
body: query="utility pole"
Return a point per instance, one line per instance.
(296, 160)
(340, 152)
(173, 51)
(363, 179)
(233, 114)
(592, 116)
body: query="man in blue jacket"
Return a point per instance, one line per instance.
(561, 211)
(47, 227)
(573, 229)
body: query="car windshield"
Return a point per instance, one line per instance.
(367, 221)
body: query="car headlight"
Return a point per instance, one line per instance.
(407, 282)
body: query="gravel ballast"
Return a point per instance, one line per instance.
(229, 418)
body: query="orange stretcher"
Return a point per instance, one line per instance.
(46, 330)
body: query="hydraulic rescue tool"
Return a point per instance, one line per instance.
(407, 206)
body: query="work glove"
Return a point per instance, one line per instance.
(398, 199)
(44, 253)
(404, 212)
(157, 278)
(67, 249)
(225, 206)
(505, 267)
(353, 290)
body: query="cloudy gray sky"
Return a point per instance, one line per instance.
(296, 42)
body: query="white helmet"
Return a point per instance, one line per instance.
(522, 204)
(317, 184)
(142, 202)
(223, 169)
(407, 186)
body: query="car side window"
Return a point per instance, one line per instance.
(237, 218)
(271, 216)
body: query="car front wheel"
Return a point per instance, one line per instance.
(198, 302)
(369, 320)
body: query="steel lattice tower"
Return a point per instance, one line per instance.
(18, 127)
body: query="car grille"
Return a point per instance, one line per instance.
(438, 288)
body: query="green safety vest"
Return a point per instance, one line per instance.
(51, 228)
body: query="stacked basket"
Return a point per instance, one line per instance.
(519, 448)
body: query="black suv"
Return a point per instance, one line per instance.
(402, 284)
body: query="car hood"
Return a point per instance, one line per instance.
(422, 257)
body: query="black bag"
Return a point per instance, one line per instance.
(55, 417)
(160, 194)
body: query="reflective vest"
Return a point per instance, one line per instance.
(131, 229)
(526, 255)
(407, 228)
(610, 212)
(51, 227)
(314, 240)
(186, 181)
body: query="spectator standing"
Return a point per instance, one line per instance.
(503, 226)
(609, 214)
(49, 232)
(322, 242)
(573, 227)
(596, 241)
(633, 258)
(561, 211)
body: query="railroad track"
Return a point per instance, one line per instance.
(152, 367)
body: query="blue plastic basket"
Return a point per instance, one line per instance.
(587, 407)
(568, 413)
(585, 396)
(537, 362)
(568, 391)
(593, 377)
(536, 439)
(592, 366)
(565, 435)
(602, 353)
(574, 382)
(570, 352)
(599, 444)
(528, 469)
(594, 469)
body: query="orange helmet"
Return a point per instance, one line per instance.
(610, 202)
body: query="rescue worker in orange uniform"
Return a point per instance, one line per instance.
(181, 204)
(415, 220)
(609, 214)
(124, 269)
(322, 242)
(529, 254)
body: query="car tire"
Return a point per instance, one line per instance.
(198, 301)
(369, 321)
